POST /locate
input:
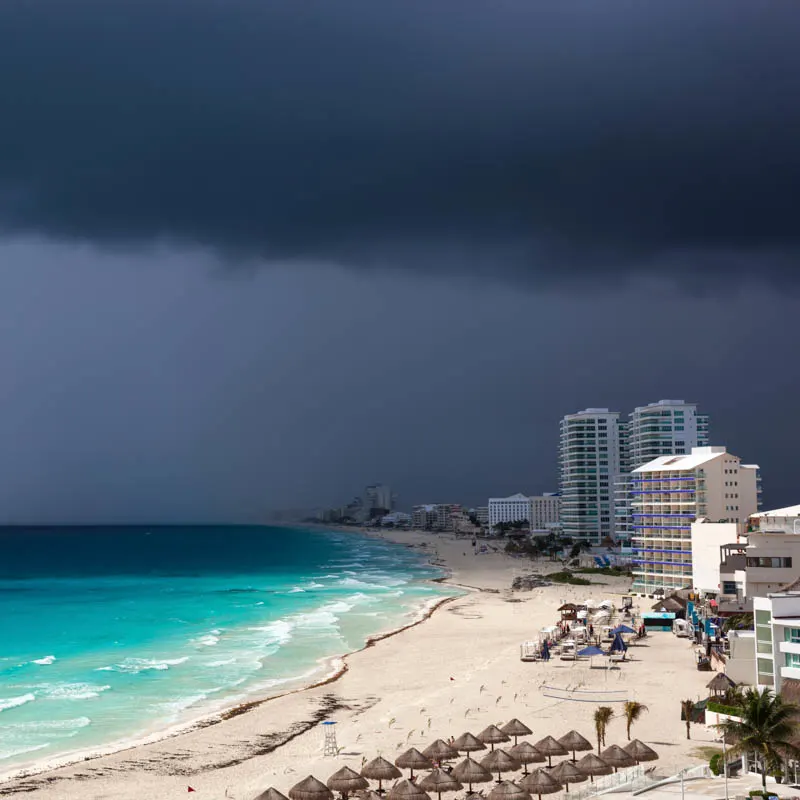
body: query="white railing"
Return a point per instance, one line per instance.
(625, 777)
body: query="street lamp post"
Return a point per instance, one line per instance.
(725, 764)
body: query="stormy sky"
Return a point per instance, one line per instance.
(257, 254)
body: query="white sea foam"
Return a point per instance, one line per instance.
(278, 632)
(295, 589)
(69, 691)
(314, 585)
(209, 640)
(133, 666)
(14, 702)
(45, 660)
(10, 753)
(222, 662)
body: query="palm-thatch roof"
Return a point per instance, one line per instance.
(617, 757)
(567, 772)
(640, 751)
(271, 794)
(508, 791)
(310, 789)
(568, 607)
(720, 683)
(526, 753)
(551, 747)
(439, 781)
(540, 782)
(379, 769)
(574, 741)
(467, 743)
(670, 604)
(592, 765)
(500, 761)
(492, 735)
(346, 780)
(516, 728)
(470, 771)
(412, 759)
(406, 790)
(440, 750)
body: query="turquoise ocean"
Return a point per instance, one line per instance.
(109, 634)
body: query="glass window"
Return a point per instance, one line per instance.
(791, 635)
(792, 659)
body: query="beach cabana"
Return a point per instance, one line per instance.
(379, 769)
(310, 789)
(470, 771)
(617, 757)
(412, 759)
(439, 781)
(467, 743)
(499, 761)
(592, 765)
(346, 780)
(271, 794)
(566, 773)
(406, 790)
(574, 741)
(720, 684)
(439, 751)
(515, 728)
(526, 753)
(640, 751)
(540, 782)
(569, 612)
(492, 735)
(507, 790)
(550, 747)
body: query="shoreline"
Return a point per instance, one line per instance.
(337, 668)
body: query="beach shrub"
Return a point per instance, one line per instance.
(715, 764)
(723, 708)
(568, 577)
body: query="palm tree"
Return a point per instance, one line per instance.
(633, 711)
(687, 708)
(602, 716)
(765, 727)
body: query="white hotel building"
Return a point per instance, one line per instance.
(589, 465)
(672, 492)
(515, 508)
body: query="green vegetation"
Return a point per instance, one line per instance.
(602, 716)
(633, 711)
(616, 572)
(567, 577)
(739, 622)
(715, 764)
(723, 708)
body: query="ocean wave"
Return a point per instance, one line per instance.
(133, 666)
(69, 726)
(322, 618)
(278, 632)
(174, 707)
(295, 589)
(314, 585)
(210, 639)
(69, 691)
(45, 660)
(354, 583)
(10, 753)
(323, 577)
(224, 662)
(14, 702)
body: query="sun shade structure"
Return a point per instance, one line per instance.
(622, 629)
(639, 750)
(492, 736)
(467, 743)
(720, 683)
(592, 765)
(271, 794)
(439, 781)
(310, 789)
(406, 790)
(499, 761)
(566, 773)
(516, 728)
(540, 782)
(591, 650)
(574, 741)
(412, 759)
(526, 753)
(470, 771)
(617, 757)
(507, 790)
(550, 747)
(379, 769)
(346, 780)
(440, 751)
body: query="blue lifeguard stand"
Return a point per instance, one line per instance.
(330, 748)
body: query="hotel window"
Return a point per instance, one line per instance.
(770, 561)
(791, 635)
(793, 659)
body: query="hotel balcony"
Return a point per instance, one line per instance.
(789, 672)
(789, 647)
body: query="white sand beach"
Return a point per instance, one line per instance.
(459, 670)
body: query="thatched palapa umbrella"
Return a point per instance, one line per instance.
(271, 794)
(492, 736)
(366, 794)
(574, 741)
(499, 761)
(592, 765)
(540, 782)
(406, 790)
(507, 790)
(346, 780)
(516, 728)
(439, 751)
(412, 759)
(379, 769)
(526, 754)
(720, 684)
(550, 747)
(566, 773)
(640, 751)
(467, 743)
(310, 789)
(470, 771)
(439, 781)
(617, 757)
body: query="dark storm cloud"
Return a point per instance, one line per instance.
(490, 136)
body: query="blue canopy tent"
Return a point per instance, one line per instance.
(618, 646)
(623, 629)
(591, 651)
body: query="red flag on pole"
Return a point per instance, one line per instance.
(191, 790)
